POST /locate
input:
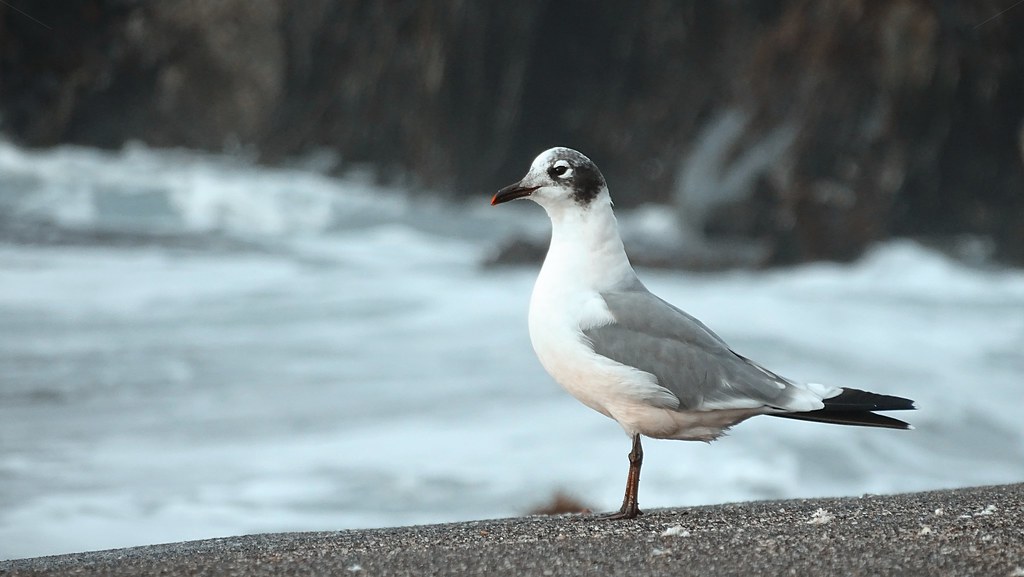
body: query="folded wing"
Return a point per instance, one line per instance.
(689, 359)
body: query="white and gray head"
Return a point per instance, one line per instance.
(558, 177)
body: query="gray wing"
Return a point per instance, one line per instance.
(688, 358)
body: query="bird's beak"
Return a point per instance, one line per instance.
(512, 192)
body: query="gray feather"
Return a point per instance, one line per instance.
(687, 358)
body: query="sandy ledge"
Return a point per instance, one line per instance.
(976, 531)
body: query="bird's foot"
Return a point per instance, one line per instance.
(623, 513)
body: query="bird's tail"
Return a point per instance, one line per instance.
(855, 407)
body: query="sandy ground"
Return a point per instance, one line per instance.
(977, 531)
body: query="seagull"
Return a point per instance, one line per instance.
(635, 358)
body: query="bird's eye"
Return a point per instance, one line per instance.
(561, 169)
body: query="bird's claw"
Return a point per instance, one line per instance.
(623, 513)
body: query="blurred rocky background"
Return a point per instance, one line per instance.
(811, 127)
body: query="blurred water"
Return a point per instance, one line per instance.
(191, 346)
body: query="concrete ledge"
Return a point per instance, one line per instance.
(976, 531)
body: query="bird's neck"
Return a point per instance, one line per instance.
(586, 248)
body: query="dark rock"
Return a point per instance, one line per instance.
(517, 251)
(906, 115)
(561, 503)
(695, 256)
(169, 73)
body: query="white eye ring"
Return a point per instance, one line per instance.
(561, 169)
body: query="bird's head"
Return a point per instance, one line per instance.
(559, 177)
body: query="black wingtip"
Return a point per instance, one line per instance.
(858, 400)
(854, 407)
(855, 418)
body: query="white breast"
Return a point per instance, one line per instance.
(561, 308)
(562, 348)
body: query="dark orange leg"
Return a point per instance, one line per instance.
(630, 509)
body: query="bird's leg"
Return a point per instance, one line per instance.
(630, 509)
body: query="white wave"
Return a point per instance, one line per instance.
(176, 189)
